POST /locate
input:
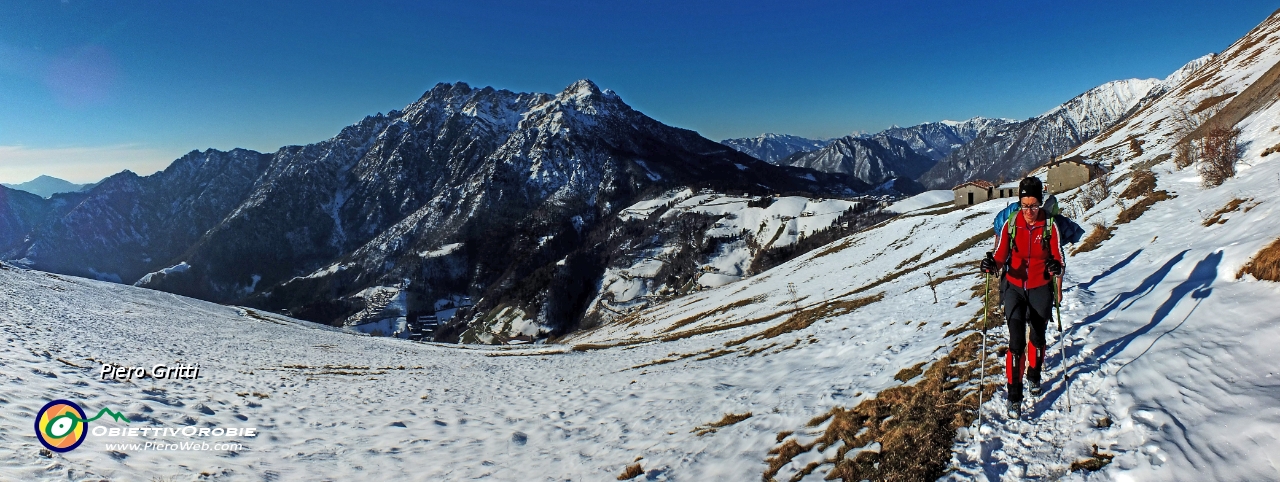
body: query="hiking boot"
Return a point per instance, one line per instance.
(1034, 386)
(1015, 409)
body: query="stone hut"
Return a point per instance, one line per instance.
(973, 192)
(1008, 189)
(1067, 174)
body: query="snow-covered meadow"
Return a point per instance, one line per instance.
(348, 406)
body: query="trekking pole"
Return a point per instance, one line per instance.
(1057, 307)
(982, 375)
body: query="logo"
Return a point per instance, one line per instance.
(61, 425)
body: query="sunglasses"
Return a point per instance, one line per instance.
(1029, 206)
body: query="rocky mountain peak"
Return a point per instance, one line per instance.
(1188, 69)
(586, 97)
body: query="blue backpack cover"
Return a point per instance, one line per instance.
(1068, 231)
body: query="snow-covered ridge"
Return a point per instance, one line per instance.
(178, 268)
(1106, 101)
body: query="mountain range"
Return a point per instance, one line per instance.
(942, 154)
(524, 186)
(46, 186)
(773, 148)
(1010, 150)
(510, 198)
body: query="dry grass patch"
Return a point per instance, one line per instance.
(1095, 238)
(728, 326)
(909, 373)
(1265, 265)
(729, 419)
(1232, 206)
(601, 346)
(794, 343)
(914, 425)
(758, 350)
(632, 471)
(671, 357)
(1135, 145)
(714, 354)
(937, 281)
(1271, 150)
(719, 311)
(833, 248)
(909, 261)
(1144, 181)
(807, 316)
(1096, 461)
(1209, 102)
(1199, 80)
(257, 316)
(964, 245)
(1137, 209)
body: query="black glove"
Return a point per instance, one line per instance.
(1053, 266)
(988, 264)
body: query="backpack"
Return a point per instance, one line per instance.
(1068, 231)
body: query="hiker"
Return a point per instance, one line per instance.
(1030, 259)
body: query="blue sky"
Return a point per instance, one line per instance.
(90, 87)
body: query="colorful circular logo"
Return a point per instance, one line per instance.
(61, 425)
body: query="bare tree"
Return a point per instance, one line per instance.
(1093, 192)
(1187, 122)
(1220, 153)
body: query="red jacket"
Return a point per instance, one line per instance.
(1026, 265)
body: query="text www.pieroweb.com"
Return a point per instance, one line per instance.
(180, 446)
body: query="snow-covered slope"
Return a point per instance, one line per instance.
(363, 408)
(1168, 342)
(923, 200)
(1170, 346)
(734, 237)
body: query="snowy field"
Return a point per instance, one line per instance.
(922, 200)
(341, 405)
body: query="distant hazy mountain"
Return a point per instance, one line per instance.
(873, 160)
(1012, 149)
(773, 148)
(46, 186)
(937, 139)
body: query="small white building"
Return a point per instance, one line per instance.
(1008, 189)
(973, 192)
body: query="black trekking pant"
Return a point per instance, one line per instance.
(1025, 309)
